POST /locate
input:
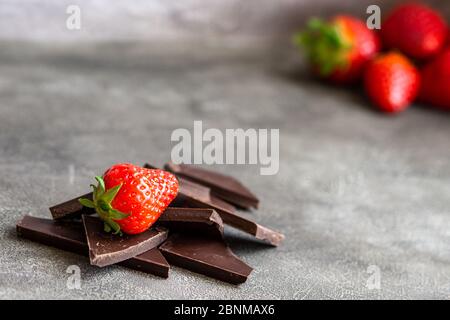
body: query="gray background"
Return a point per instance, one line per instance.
(355, 188)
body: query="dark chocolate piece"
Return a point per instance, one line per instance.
(206, 222)
(107, 248)
(72, 208)
(66, 235)
(194, 195)
(151, 261)
(70, 236)
(196, 243)
(210, 257)
(222, 186)
(191, 193)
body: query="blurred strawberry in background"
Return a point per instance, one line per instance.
(436, 81)
(338, 49)
(344, 50)
(415, 29)
(392, 82)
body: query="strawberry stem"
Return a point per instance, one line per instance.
(101, 202)
(324, 45)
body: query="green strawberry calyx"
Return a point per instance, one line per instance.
(101, 202)
(324, 45)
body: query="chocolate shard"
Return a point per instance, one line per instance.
(71, 208)
(107, 248)
(222, 186)
(192, 194)
(151, 261)
(204, 222)
(66, 235)
(70, 236)
(210, 257)
(196, 243)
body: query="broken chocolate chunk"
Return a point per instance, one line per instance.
(71, 208)
(107, 248)
(70, 236)
(222, 186)
(66, 235)
(204, 222)
(210, 257)
(196, 243)
(151, 261)
(194, 195)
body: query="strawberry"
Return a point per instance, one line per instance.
(338, 49)
(436, 81)
(392, 82)
(415, 29)
(130, 199)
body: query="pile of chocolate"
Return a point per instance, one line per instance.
(189, 234)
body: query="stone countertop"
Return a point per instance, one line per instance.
(357, 192)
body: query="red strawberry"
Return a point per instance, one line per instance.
(338, 49)
(392, 82)
(130, 198)
(415, 29)
(436, 81)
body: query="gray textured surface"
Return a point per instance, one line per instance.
(355, 188)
